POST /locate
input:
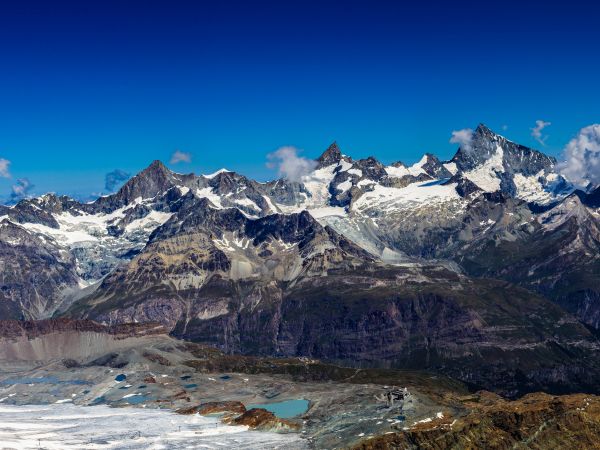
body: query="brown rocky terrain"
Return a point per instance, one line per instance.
(214, 408)
(535, 421)
(343, 411)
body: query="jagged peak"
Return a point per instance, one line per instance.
(332, 155)
(483, 128)
(430, 157)
(483, 132)
(484, 146)
(153, 180)
(156, 166)
(432, 166)
(155, 171)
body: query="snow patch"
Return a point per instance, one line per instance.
(344, 165)
(421, 192)
(397, 172)
(327, 211)
(247, 202)
(486, 175)
(214, 174)
(317, 183)
(152, 220)
(208, 193)
(532, 189)
(344, 185)
(451, 167)
(417, 168)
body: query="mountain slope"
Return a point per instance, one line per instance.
(392, 265)
(285, 285)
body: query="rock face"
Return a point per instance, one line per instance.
(292, 287)
(34, 273)
(65, 338)
(332, 155)
(484, 267)
(14, 329)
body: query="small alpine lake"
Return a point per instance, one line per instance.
(285, 409)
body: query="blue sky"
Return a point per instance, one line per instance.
(89, 87)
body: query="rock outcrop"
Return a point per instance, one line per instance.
(537, 421)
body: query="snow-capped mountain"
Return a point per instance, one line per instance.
(397, 213)
(246, 265)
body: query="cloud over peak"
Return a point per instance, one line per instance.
(536, 132)
(463, 138)
(179, 156)
(581, 156)
(288, 164)
(21, 189)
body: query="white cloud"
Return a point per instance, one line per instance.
(289, 165)
(4, 172)
(463, 138)
(581, 155)
(536, 131)
(21, 189)
(179, 156)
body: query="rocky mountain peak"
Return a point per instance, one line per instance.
(481, 148)
(371, 168)
(332, 155)
(509, 157)
(153, 180)
(434, 167)
(483, 130)
(156, 171)
(157, 166)
(226, 182)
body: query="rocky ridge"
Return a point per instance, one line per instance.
(402, 256)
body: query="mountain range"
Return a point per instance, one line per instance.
(485, 267)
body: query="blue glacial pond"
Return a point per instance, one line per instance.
(285, 409)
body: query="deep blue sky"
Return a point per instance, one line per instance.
(87, 87)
